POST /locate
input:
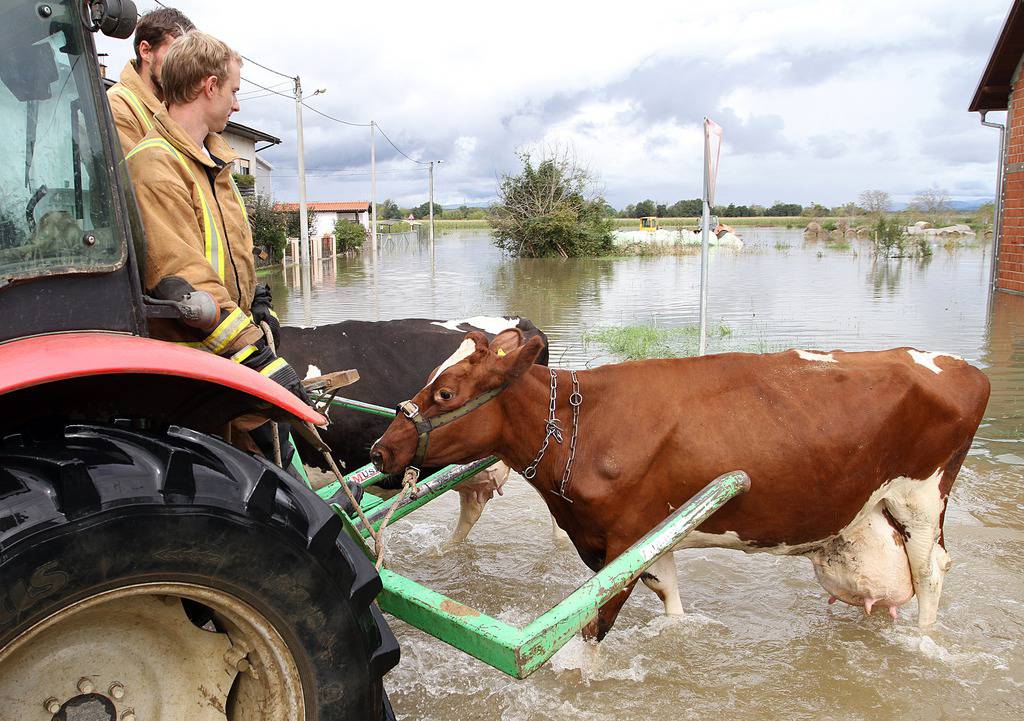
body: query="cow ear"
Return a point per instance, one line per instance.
(516, 363)
(507, 341)
(479, 340)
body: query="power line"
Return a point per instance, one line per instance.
(270, 90)
(418, 162)
(247, 59)
(337, 120)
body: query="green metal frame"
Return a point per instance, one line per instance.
(515, 651)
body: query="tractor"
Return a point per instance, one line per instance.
(148, 568)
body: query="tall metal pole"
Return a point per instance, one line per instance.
(431, 203)
(705, 231)
(303, 213)
(373, 185)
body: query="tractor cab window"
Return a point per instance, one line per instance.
(55, 199)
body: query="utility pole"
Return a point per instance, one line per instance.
(373, 185)
(431, 184)
(303, 213)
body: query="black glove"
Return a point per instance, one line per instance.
(262, 310)
(277, 369)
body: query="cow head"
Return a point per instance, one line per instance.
(453, 419)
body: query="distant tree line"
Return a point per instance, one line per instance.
(389, 210)
(930, 201)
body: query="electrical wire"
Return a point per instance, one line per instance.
(331, 117)
(310, 107)
(418, 162)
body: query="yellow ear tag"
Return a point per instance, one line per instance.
(501, 352)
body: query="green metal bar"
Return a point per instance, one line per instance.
(364, 407)
(519, 652)
(427, 491)
(297, 462)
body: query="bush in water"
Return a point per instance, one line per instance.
(349, 234)
(550, 209)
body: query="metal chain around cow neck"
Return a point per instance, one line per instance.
(553, 429)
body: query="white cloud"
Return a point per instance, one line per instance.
(818, 100)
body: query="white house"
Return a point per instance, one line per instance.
(246, 142)
(327, 214)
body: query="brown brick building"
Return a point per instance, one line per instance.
(1002, 88)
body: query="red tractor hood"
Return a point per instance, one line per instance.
(49, 358)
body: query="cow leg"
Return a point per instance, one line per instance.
(919, 508)
(662, 579)
(597, 629)
(471, 506)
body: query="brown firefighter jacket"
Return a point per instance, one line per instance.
(133, 106)
(196, 229)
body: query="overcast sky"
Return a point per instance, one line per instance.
(818, 100)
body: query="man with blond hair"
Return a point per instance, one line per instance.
(138, 94)
(197, 230)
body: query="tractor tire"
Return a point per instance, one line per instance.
(172, 576)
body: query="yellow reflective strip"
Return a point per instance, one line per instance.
(274, 314)
(274, 366)
(213, 249)
(227, 331)
(190, 344)
(241, 203)
(133, 100)
(243, 354)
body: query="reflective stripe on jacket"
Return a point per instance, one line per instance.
(133, 106)
(196, 229)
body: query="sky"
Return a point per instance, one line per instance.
(818, 101)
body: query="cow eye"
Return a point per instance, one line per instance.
(445, 394)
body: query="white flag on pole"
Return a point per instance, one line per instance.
(712, 152)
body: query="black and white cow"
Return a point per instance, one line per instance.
(394, 359)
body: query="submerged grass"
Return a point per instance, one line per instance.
(637, 342)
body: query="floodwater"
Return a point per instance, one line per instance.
(758, 640)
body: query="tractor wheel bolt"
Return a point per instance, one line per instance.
(52, 705)
(116, 690)
(85, 685)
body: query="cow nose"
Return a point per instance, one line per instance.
(377, 459)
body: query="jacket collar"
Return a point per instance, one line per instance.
(131, 79)
(219, 148)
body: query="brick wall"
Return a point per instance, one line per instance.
(1010, 272)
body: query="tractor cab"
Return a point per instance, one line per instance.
(649, 223)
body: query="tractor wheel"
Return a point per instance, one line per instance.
(171, 576)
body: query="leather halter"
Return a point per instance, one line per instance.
(424, 426)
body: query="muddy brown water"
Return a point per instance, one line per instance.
(758, 640)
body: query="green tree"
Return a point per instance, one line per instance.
(550, 208)
(268, 227)
(686, 208)
(292, 223)
(645, 208)
(423, 211)
(780, 210)
(349, 234)
(389, 210)
(815, 210)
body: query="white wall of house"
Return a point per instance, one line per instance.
(262, 171)
(325, 221)
(246, 149)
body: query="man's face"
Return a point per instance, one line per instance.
(153, 59)
(225, 100)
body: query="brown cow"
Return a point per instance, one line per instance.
(851, 456)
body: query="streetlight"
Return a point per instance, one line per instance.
(303, 212)
(432, 200)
